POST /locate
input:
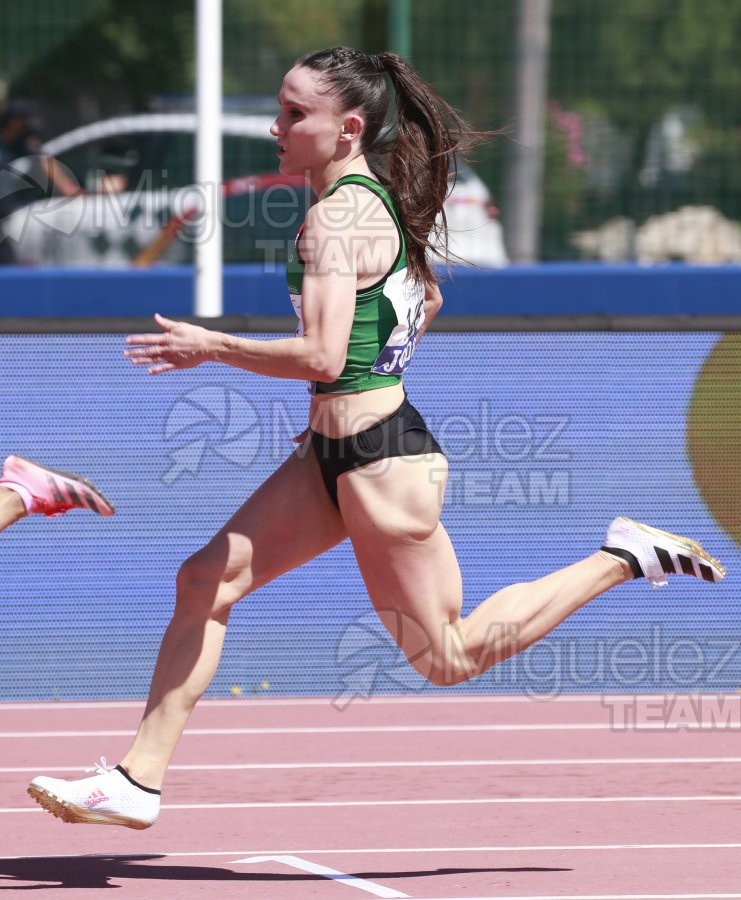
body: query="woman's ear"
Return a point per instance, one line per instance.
(352, 127)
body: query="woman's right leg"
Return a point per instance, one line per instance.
(288, 521)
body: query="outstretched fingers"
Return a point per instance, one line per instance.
(149, 349)
(152, 358)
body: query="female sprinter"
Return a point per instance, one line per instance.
(367, 469)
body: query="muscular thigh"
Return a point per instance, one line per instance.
(399, 497)
(404, 553)
(286, 522)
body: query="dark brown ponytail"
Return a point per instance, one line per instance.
(412, 147)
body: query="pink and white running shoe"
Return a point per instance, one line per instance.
(53, 492)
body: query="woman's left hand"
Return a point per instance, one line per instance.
(180, 346)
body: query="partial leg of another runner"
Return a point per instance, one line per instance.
(27, 487)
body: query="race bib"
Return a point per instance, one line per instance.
(408, 300)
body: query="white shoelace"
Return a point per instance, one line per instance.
(100, 768)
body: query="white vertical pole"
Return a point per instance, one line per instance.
(208, 249)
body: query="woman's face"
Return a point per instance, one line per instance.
(309, 125)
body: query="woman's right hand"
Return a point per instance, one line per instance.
(180, 345)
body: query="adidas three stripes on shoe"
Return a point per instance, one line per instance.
(654, 554)
(52, 491)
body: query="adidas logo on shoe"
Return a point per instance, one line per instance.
(653, 554)
(95, 798)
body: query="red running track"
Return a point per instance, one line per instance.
(422, 797)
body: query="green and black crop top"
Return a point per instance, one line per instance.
(388, 315)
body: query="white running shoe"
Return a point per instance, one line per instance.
(109, 797)
(654, 554)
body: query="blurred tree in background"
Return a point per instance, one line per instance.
(262, 40)
(656, 83)
(643, 94)
(112, 62)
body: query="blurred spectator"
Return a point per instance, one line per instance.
(25, 175)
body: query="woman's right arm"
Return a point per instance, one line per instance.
(328, 305)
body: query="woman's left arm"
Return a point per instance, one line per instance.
(433, 303)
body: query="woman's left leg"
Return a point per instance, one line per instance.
(391, 511)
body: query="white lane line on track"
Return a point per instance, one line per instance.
(703, 896)
(401, 729)
(408, 764)
(528, 848)
(306, 865)
(474, 801)
(371, 702)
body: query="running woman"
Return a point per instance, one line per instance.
(27, 487)
(367, 468)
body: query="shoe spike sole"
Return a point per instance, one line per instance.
(72, 814)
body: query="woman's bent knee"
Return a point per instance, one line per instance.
(202, 589)
(450, 675)
(445, 669)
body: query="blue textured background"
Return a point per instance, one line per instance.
(550, 436)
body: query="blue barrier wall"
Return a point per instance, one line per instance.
(549, 437)
(543, 290)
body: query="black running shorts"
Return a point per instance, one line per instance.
(403, 433)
